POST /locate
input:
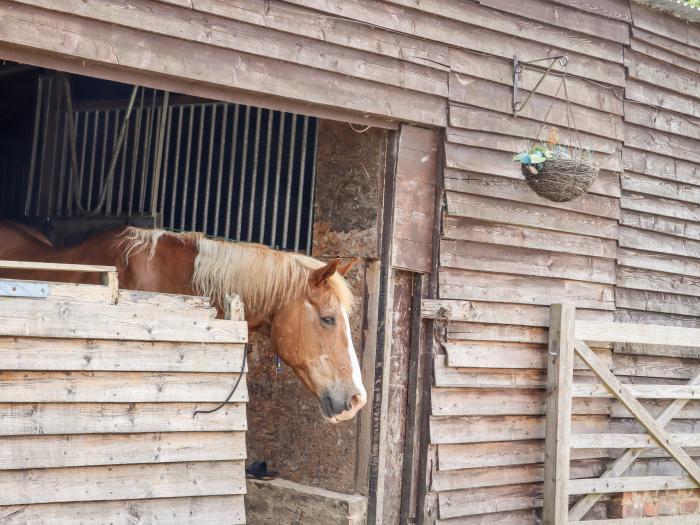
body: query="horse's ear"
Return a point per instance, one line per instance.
(344, 268)
(324, 273)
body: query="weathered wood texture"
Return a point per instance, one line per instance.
(99, 425)
(414, 199)
(507, 254)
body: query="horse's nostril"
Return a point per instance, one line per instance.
(357, 401)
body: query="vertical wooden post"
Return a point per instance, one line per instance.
(560, 369)
(111, 280)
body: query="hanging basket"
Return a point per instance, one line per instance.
(561, 180)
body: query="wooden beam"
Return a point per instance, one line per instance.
(637, 333)
(628, 440)
(637, 410)
(631, 484)
(560, 371)
(621, 464)
(58, 267)
(657, 520)
(639, 391)
(198, 510)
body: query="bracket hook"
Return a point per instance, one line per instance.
(518, 67)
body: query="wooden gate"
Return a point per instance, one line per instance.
(98, 389)
(568, 340)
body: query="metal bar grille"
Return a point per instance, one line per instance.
(233, 171)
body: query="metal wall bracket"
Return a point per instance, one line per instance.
(518, 67)
(12, 288)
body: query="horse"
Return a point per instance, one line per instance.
(300, 302)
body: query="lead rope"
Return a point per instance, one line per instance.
(233, 390)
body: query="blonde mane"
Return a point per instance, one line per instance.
(263, 278)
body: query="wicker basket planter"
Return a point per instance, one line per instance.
(561, 179)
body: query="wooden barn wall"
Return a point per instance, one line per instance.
(628, 250)
(274, 54)
(624, 251)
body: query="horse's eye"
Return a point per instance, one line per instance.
(328, 321)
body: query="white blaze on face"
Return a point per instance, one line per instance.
(356, 372)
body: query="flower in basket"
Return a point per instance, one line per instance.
(534, 158)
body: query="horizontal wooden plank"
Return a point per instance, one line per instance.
(662, 98)
(518, 190)
(673, 48)
(611, 485)
(50, 31)
(661, 142)
(633, 333)
(486, 477)
(534, 30)
(480, 429)
(510, 475)
(21, 353)
(500, 143)
(566, 17)
(531, 215)
(639, 391)
(517, 133)
(656, 520)
(502, 402)
(448, 376)
(656, 351)
(461, 331)
(657, 223)
(57, 267)
(45, 318)
(668, 26)
(650, 163)
(628, 440)
(660, 365)
(488, 500)
(651, 204)
(667, 76)
(490, 95)
(501, 454)
(667, 189)
(168, 480)
(478, 286)
(342, 32)
(202, 510)
(614, 9)
(231, 34)
(495, 162)
(499, 69)
(495, 355)
(649, 44)
(118, 387)
(28, 452)
(500, 313)
(659, 262)
(479, 455)
(525, 261)
(193, 305)
(659, 281)
(98, 418)
(643, 240)
(652, 301)
(462, 228)
(660, 318)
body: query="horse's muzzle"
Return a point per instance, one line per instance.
(340, 408)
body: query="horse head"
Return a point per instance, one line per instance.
(311, 333)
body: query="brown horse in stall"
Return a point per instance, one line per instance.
(301, 302)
